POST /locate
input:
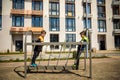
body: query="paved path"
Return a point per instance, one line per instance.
(103, 69)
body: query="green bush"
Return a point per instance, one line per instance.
(74, 54)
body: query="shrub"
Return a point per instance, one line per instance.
(74, 54)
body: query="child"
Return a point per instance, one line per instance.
(38, 48)
(81, 47)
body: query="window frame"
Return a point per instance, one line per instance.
(89, 8)
(0, 22)
(102, 28)
(70, 36)
(34, 4)
(101, 1)
(89, 22)
(56, 11)
(17, 5)
(34, 22)
(116, 24)
(54, 38)
(15, 18)
(72, 22)
(101, 12)
(56, 21)
(72, 11)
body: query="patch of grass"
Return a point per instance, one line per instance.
(10, 53)
(58, 52)
(29, 59)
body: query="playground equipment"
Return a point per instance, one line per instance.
(61, 46)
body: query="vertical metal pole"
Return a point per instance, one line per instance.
(68, 55)
(25, 56)
(51, 55)
(87, 26)
(84, 61)
(90, 57)
(59, 55)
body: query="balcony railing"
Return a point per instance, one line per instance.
(116, 31)
(35, 12)
(89, 15)
(116, 2)
(26, 12)
(24, 29)
(89, 1)
(17, 11)
(116, 16)
(54, 0)
(68, 1)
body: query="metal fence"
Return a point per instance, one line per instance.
(61, 50)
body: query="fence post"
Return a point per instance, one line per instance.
(25, 56)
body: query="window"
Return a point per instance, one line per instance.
(70, 0)
(54, 24)
(88, 8)
(89, 23)
(18, 4)
(70, 24)
(116, 0)
(37, 5)
(101, 1)
(70, 10)
(116, 24)
(101, 25)
(116, 10)
(117, 41)
(19, 45)
(0, 6)
(37, 21)
(53, 8)
(71, 38)
(18, 21)
(0, 22)
(54, 38)
(101, 11)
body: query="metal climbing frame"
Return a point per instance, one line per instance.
(70, 44)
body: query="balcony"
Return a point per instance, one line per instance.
(116, 16)
(116, 2)
(54, 0)
(71, 2)
(89, 1)
(35, 12)
(21, 30)
(37, 0)
(116, 31)
(17, 11)
(26, 12)
(89, 15)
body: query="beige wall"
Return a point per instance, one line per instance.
(109, 23)
(94, 24)
(5, 36)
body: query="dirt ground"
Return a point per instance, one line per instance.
(102, 69)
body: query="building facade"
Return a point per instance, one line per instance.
(63, 20)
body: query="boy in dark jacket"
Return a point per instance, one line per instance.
(38, 48)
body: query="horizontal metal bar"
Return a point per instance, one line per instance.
(57, 43)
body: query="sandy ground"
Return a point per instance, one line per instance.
(102, 69)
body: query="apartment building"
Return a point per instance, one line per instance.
(63, 20)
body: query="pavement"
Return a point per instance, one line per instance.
(54, 56)
(102, 69)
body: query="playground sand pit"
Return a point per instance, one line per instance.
(102, 69)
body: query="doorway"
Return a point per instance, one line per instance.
(102, 42)
(19, 45)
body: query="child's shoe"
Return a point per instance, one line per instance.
(33, 65)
